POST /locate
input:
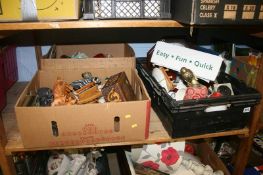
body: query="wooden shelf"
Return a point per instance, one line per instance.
(157, 132)
(89, 24)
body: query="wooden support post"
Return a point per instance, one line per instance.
(246, 143)
(6, 162)
(38, 56)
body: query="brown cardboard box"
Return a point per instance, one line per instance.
(203, 152)
(19, 10)
(88, 123)
(113, 50)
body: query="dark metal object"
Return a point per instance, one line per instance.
(189, 77)
(44, 96)
(87, 78)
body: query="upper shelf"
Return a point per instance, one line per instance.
(89, 24)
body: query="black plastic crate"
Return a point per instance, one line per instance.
(188, 117)
(123, 9)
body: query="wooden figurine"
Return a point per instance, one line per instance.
(86, 94)
(61, 91)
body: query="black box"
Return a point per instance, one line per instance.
(126, 9)
(188, 117)
(218, 11)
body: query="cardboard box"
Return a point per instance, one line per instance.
(203, 151)
(113, 50)
(88, 123)
(20, 10)
(218, 11)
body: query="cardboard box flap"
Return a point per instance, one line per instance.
(62, 64)
(115, 50)
(122, 56)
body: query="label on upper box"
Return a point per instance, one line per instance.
(203, 65)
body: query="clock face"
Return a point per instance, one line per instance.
(43, 5)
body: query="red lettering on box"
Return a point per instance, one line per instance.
(72, 142)
(86, 140)
(52, 143)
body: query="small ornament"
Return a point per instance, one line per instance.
(86, 94)
(200, 169)
(216, 94)
(118, 89)
(79, 55)
(44, 96)
(189, 77)
(196, 92)
(87, 78)
(86, 75)
(225, 89)
(164, 78)
(195, 89)
(61, 92)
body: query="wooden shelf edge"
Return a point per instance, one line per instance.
(17, 147)
(88, 24)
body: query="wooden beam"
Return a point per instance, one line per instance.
(246, 143)
(38, 56)
(6, 162)
(3, 139)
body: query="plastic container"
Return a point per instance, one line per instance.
(9, 72)
(192, 117)
(107, 9)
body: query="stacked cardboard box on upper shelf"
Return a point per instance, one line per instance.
(86, 123)
(24, 10)
(218, 11)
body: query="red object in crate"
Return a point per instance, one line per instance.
(8, 69)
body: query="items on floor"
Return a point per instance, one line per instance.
(175, 158)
